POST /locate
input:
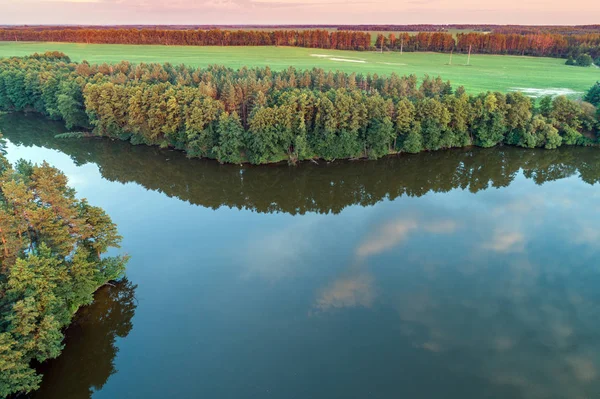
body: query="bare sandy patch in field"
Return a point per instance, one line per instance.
(554, 92)
(338, 58)
(345, 60)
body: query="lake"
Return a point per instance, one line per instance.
(458, 274)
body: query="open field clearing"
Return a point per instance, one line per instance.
(486, 72)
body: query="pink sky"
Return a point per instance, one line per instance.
(110, 12)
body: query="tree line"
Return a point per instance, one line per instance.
(534, 44)
(520, 29)
(561, 29)
(51, 263)
(314, 38)
(262, 116)
(540, 43)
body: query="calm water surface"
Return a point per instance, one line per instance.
(458, 274)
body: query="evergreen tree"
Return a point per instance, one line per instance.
(413, 142)
(593, 95)
(584, 60)
(231, 136)
(51, 263)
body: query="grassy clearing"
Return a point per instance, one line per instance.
(487, 72)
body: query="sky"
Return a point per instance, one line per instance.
(201, 12)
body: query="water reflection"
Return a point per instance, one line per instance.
(359, 279)
(347, 292)
(87, 360)
(309, 188)
(505, 294)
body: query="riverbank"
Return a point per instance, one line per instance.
(587, 140)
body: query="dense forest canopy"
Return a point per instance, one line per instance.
(268, 116)
(51, 263)
(535, 41)
(262, 116)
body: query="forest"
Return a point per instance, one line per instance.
(51, 263)
(531, 44)
(261, 116)
(543, 42)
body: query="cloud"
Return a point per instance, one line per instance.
(587, 235)
(393, 233)
(441, 227)
(67, 1)
(432, 346)
(347, 292)
(583, 368)
(520, 206)
(506, 241)
(388, 236)
(502, 344)
(275, 255)
(357, 289)
(311, 2)
(278, 12)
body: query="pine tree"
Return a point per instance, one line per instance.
(231, 136)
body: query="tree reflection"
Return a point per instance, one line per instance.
(323, 188)
(90, 345)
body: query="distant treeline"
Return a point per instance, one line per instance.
(563, 30)
(539, 44)
(402, 28)
(542, 44)
(317, 38)
(520, 29)
(535, 44)
(262, 116)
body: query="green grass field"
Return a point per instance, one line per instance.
(487, 72)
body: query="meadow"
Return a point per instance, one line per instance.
(534, 75)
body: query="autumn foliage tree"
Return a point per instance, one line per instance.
(51, 263)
